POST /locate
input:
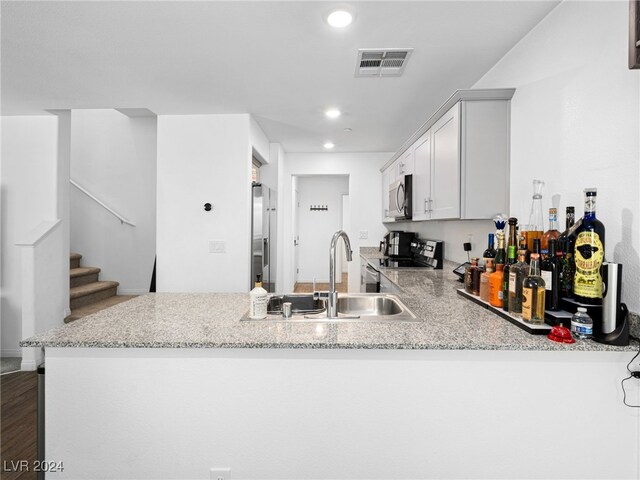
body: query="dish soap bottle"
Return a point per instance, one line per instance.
(258, 301)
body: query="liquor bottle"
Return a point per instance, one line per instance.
(533, 293)
(484, 280)
(513, 233)
(536, 226)
(472, 277)
(495, 286)
(490, 252)
(511, 260)
(550, 272)
(501, 254)
(551, 233)
(565, 245)
(588, 253)
(517, 272)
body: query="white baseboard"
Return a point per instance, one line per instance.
(28, 366)
(133, 291)
(31, 358)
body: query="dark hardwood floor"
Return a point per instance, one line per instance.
(19, 394)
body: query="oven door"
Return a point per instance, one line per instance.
(369, 279)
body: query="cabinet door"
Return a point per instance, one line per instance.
(405, 163)
(445, 165)
(422, 177)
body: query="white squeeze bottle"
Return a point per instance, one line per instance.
(258, 301)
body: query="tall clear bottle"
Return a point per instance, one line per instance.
(589, 253)
(517, 272)
(536, 225)
(549, 234)
(533, 293)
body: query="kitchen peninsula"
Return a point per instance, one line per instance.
(181, 375)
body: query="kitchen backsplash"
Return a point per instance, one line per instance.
(454, 233)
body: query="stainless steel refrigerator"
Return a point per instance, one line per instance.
(263, 236)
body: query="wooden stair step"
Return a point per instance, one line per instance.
(74, 260)
(80, 312)
(83, 275)
(91, 293)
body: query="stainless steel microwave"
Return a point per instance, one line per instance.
(400, 198)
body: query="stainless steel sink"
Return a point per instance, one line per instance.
(356, 307)
(378, 305)
(301, 304)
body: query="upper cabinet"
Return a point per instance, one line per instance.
(459, 159)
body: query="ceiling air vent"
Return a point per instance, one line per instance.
(382, 62)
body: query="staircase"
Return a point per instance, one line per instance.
(88, 294)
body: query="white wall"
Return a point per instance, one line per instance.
(318, 226)
(203, 158)
(113, 156)
(575, 122)
(340, 414)
(363, 170)
(28, 171)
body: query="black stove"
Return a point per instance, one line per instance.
(426, 253)
(401, 263)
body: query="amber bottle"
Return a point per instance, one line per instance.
(495, 286)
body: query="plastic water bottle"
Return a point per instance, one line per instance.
(582, 324)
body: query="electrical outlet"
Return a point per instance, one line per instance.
(217, 246)
(364, 234)
(220, 474)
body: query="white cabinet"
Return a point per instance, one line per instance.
(484, 179)
(436, 175)
(459, 159)
(405, 164)
(445, 166)
(422, 178)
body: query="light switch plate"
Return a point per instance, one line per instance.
(220, 474)
(217, 246)
(364, 234)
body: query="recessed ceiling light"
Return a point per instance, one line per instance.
(329, 145)
(339, 18)
(332, 113)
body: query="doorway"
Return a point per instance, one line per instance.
(318, 212)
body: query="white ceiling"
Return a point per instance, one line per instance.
(278, 61)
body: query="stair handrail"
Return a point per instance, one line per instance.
(101, 203)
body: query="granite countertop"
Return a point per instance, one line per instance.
(212, 320)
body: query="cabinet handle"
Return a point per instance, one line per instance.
(429, 201)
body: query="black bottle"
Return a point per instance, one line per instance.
(550, 272)
(588, 254)
(490, 252)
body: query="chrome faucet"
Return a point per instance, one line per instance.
(332, 306)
